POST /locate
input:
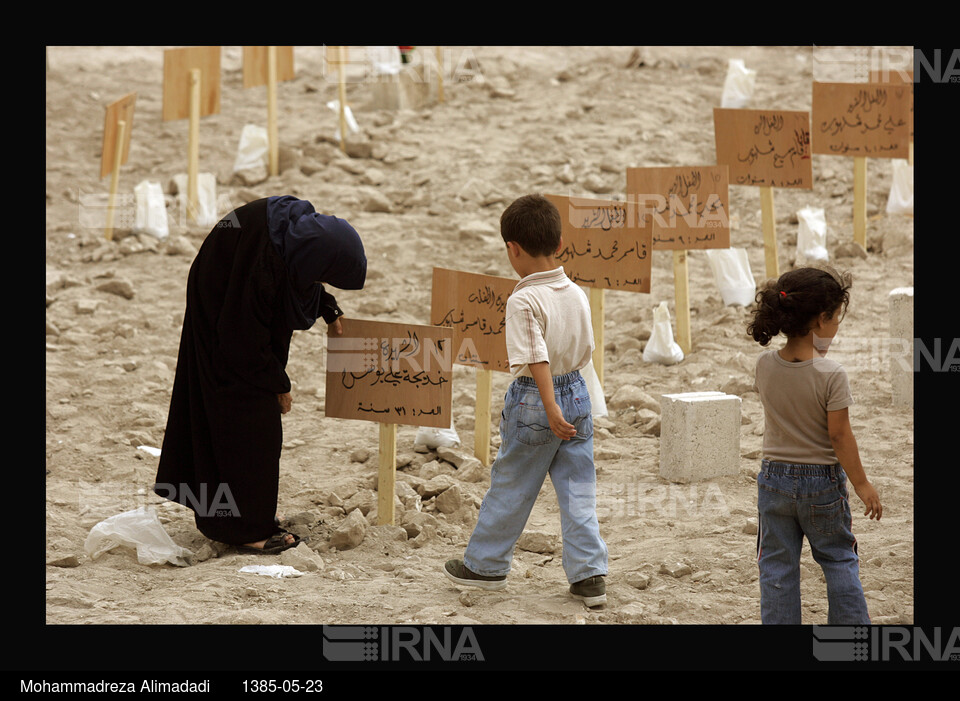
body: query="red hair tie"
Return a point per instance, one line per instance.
(782, 293)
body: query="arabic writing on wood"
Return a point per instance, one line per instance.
(764, 148)
(862, 119)
(474, 306)
(390, 373)
(604, 244)
(683, 207)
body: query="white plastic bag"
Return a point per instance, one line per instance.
(206, 197)
(731, 272)
(434, 438)
(598, 403)
(811, 235)
(254, 148)
(348, 116)
(151, 216)
(739, 84)
(384, 60)
(901, 189)
(661, 348)
(275, 571)
(140, 529)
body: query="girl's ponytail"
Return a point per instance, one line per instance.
(790, 304)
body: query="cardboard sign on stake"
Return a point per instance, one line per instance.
(685, 208)
(862, 120)
(474, 306)
(765, 149)
(605, 247)
(191, 90)
(117, 126)
(268, 65)
(392, 374)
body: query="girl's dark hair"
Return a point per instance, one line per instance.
(790, 304)
(534, 223)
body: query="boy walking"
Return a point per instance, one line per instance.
(546, 425)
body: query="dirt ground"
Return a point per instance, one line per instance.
(425, 187)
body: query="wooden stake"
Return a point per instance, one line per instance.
(115, 177)
(193, 162)
(386, 478)
(341, 55)
(681, 289)
(860, 201)
(769, 232)
(596, 314)
(481, 419)
(272, 110)
(440, 76)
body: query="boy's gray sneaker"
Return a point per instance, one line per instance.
(457, 572)
(592, 590)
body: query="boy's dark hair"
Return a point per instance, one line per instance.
(790, 304)
(533, 222)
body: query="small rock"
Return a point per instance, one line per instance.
(750, 527)
(122, 288)
(436, 485)
(849, 249)
(302, 558)
(364, 500)
(633, 396)
(351, 532)
(676, 569)
(467, 598)
(638, 580)
(375, 201)
(360, 455)
(472, 470)
(450, 500)
(537, 542)
(68, 561)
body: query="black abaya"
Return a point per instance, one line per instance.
(221, 450)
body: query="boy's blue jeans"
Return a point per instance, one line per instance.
(806, 500)
(529, 451)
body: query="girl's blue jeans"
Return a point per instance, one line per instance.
(806, 500)
(529, 451)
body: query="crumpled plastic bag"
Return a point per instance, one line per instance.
(206, 197)
(661, 348)
(352, 125)
(151, 213)
(434, 438)
(739, 84)
(140, 529)
(900, 200)
(275, 571)
(598, 402)
(812, 235)
(384, 60)
(254, 148)
(731, 272)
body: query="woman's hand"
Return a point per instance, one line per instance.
(335, 329)
(286, 402)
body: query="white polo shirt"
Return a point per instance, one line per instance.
(548, 319)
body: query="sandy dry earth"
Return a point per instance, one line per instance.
(429, 192)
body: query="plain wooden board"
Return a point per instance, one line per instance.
(764, 148)
(255, 65)
(684, 207)
(474, 306)
(177, 64)
(121, 110)
(390, 373)
(869, 120)
(604, 246)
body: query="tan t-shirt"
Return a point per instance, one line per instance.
(548, 319)
(796, 398)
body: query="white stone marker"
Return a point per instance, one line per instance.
(699, 436)
(901, 346)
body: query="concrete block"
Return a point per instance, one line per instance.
(901, 346)
(699, 436)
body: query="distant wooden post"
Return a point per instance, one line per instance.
(681, 290)
(766, 149)
(440, 74)
(118, 124)
(269, 65)
(191, 90)
(392, 374)
(862, 120)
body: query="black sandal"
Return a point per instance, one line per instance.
(274, 544)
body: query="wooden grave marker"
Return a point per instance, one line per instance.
(862, 120)
(605, 247)
(474, 306)
(117, 127)
(392, 374)
(765, 149)
(684, 208)
(191, 90)
(898, 77)
(339, 56)
(268, 65)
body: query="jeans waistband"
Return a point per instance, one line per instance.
(800, 469)
(558, 380)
